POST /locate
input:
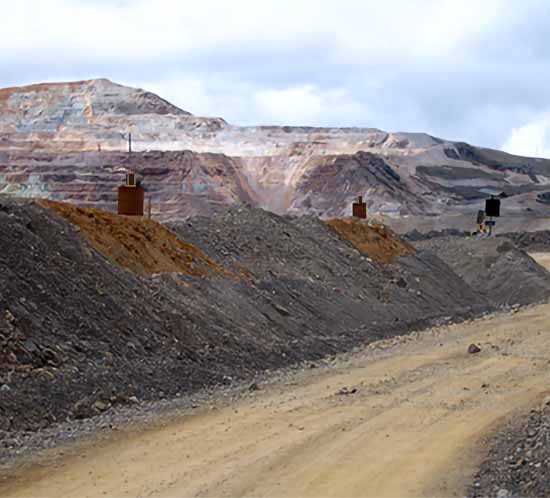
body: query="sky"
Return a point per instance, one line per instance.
(475, 71)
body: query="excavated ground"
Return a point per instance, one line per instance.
(490, 265)
(80, 333)
(98, 310)
(136, 243)
(378, 241)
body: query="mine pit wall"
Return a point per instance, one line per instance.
(274, 179)
(184, 183)
(180, 184)
(305, 182)
(76, 328)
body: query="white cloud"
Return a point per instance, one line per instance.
(192, 93)
(307, 104)
(237, 102)
(531, 139)
(138, 29)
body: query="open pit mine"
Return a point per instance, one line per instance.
(193, 308)
(69, 142)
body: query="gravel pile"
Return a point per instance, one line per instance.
(494, 267)
(80, 335)
(416, 236)
(518, 463)
(532, 241)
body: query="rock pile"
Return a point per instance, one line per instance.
(79, 333)
(533, 241)
(518, 463)
(490, 266)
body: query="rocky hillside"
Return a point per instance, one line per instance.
(94, 311)
(66, 140)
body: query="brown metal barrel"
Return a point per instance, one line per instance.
(130, 200)
(360, 208)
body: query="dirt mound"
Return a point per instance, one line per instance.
(137, 243)
(79, 333)
(504, 274)
(377, 241)
(533, 241)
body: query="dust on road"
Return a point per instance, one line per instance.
(412, 427)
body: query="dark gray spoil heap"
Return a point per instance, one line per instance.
(494, 267)
(79, 334)
(417, 236)
(532, 241)
(316, 269)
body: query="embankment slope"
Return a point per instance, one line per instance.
(87, 321)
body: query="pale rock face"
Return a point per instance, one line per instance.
(66, 141)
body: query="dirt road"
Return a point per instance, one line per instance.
(542, 258)
(402, 419)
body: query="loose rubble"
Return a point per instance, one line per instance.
(518, 461)
(81, 335)
(488, 265)
(87, 330)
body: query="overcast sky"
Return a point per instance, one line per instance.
(477, 71)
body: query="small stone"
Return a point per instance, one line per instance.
(401, 282)
(281, 310)
(133, 399)
(253, 387)
(503, 493)
(101, 406)
(30, 346)
(82, 410)
(5, 388)
(473, 349)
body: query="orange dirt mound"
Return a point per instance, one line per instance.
(139, 244)
(377, 241)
